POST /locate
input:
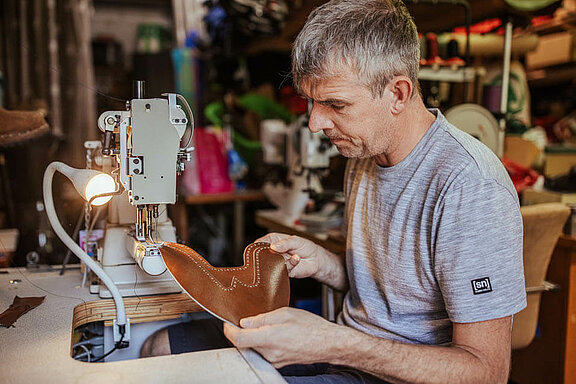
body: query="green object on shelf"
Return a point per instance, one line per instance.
(530, 5)
(214, 112)
(263, 106)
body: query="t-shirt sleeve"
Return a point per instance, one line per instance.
(478, 252)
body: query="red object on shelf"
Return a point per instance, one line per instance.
(432, 49)
(521, 176)
(486, 26)
(455, 61)
(541, 20)
(296, 104)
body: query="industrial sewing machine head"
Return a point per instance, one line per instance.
(305, 154)
(145, 142)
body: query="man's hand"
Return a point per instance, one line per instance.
(301, 255)
(304, 258)
(286, 336)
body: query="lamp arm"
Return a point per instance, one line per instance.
(75, 248)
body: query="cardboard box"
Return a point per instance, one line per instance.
(559, 160)
(553, 49)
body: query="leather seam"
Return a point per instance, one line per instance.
(235, 279)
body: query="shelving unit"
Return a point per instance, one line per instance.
(454, 75)
(554, 74)
(550, 76)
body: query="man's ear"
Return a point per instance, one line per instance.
(401, 88)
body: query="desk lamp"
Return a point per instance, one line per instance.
(97, 188)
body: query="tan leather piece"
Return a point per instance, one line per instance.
(260, 285)
(19, 126)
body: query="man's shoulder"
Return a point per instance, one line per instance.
(458, 152)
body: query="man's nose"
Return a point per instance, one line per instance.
(319, 119)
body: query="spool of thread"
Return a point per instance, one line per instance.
(431, 46)
(491, 97)
(432, 49)
(452, 48)
(453, 54)
(423, 51)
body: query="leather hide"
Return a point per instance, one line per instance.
(260, 285)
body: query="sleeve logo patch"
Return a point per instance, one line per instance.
(481, 285)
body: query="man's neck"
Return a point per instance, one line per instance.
(411, 126)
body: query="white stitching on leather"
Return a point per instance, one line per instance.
(235, 280)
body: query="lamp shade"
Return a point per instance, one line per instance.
(97, 185)
(89, 183)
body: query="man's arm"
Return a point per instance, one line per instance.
(479, 353)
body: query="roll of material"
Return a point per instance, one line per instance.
(491, 97)
(432, 46)
(491, 44)
(423, 43)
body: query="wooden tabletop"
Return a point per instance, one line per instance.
(274, 222)
(228, 197)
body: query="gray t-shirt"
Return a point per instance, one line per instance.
(432, 240)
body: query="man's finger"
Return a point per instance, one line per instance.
(294, 260)
(253, 321)
(286, 243)
(291, 260)
(263, 239)
(231, 332)
(248, 338)
(269, 318)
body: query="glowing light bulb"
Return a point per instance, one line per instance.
(99, 184)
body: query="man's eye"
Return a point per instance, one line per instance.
(336, 107)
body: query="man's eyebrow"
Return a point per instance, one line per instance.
(332, 101)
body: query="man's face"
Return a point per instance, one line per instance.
(358, 124)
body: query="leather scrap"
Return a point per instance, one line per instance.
(19, 126)
(19, 306)
(231, 293)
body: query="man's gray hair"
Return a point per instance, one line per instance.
(376, 39)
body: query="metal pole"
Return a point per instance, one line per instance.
(505, 84)
(139, 89)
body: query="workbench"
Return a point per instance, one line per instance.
(237, 198)
(37, 348)
(275, 222)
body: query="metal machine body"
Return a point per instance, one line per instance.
(307, 157)
(144, 141)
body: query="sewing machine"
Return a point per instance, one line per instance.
(144, 143)
(307, 158)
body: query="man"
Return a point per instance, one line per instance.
(433, 265)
